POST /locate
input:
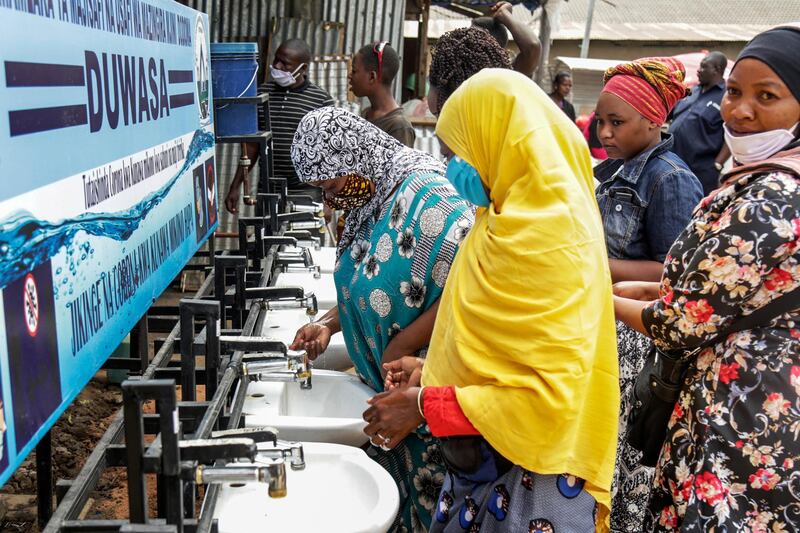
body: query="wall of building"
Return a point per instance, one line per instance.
(364, 21)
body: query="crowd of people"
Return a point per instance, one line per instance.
(503, 303)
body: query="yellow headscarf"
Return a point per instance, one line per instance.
(525, 329)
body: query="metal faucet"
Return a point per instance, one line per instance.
(283, 298)
(316, 224)
(295, 367)
(307, 302)
(314, 270)
(273, 473)
(296, 216)
(313, 207)
(286, 450)
(263, 435)
(304, 239)
(291, 258)
(300, 261)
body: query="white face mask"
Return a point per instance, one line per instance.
(283, 78)
(758, 146)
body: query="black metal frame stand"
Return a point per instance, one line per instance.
(201, 322)
(44, 479)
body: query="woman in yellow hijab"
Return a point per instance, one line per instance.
(521, 374)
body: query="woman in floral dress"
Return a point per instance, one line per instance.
(404, 226)
(730, 460)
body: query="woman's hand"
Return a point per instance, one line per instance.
(644, 291)
(392, 416)
(403, 373)
(313, 338)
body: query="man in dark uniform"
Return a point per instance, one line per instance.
(697, 124)
(291, 96)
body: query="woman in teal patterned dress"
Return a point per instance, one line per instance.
(404, 226)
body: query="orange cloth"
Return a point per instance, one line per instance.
(651, 85)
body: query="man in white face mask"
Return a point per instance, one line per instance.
(291, 96)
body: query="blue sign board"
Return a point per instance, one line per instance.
(108, 188)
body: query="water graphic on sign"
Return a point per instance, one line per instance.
(26, 241)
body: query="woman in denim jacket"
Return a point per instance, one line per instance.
(646, 197)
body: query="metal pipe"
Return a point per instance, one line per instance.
(273, 473)
(308, 225)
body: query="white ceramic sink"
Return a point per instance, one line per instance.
(325, 257)
(283, 325)
(340, 490)
(323, 287)
(329, 412)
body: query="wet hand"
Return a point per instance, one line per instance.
(644, 291)
(403, 373)
(313, 338)
(391, 416)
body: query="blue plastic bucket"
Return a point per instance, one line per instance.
(234, 67)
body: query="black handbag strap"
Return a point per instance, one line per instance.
(760, 316)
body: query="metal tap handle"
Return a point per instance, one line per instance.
(252, 370)
(297, 269)
(318, 225)
(286, 450)
(314, 208)
(273, 473)
(258, 434)
(283, 305)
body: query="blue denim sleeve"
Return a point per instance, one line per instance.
(670, 210)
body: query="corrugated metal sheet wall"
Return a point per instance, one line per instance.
(236, 20)
(363, 21)
(324, 38)
(239, 20)
(367, 21)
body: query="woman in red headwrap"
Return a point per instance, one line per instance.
(646, 197)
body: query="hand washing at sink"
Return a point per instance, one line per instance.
(329, 412)
(521, 370)
(391, 264)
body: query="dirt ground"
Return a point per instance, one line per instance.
(74, 437)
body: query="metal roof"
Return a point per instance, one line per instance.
(649, 20)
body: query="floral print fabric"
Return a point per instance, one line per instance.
(392, 272)
(730, 461)
(630, 488)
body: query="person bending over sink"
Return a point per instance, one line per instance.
(521, 374)
(404, 227)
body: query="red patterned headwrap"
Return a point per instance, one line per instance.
(651, 85)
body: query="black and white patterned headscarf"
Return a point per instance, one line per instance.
(331, 142)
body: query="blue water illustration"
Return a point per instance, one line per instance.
(26, 241)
